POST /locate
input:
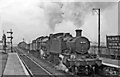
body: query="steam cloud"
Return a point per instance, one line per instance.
(57, 12)
(42, 18)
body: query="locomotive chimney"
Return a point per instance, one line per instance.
(78, 32)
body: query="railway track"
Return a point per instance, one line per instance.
(37, 70)
(33, 67)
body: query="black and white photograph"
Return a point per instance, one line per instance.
(59, 38)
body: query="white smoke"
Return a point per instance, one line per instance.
(75, 12)
(53, 14)
(33, 18)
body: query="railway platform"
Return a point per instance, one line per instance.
(111, 62)
(14, 66)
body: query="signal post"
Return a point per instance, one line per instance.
(11, 37)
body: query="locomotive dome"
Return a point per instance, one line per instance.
(57, 35)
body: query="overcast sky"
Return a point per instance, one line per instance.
(30, 19)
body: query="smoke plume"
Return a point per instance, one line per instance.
(53, 14)
(75, 12)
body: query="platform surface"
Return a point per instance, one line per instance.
(3, 60)
(13, 65)
(111, 62)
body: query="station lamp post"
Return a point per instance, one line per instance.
(97, 10)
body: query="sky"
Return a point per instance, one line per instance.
(30, 19)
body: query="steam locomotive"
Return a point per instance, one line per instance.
(63, 48)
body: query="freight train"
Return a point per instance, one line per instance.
(63, 48)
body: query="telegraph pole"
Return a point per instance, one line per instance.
(99, 31)
(98, 28)
(11, 37)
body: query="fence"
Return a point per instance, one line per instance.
(105, 52)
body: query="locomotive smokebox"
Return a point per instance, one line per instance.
(78, 32)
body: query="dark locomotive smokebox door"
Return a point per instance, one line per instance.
(82, 45)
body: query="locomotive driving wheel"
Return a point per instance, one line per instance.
(73, 69)
(86, 70)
